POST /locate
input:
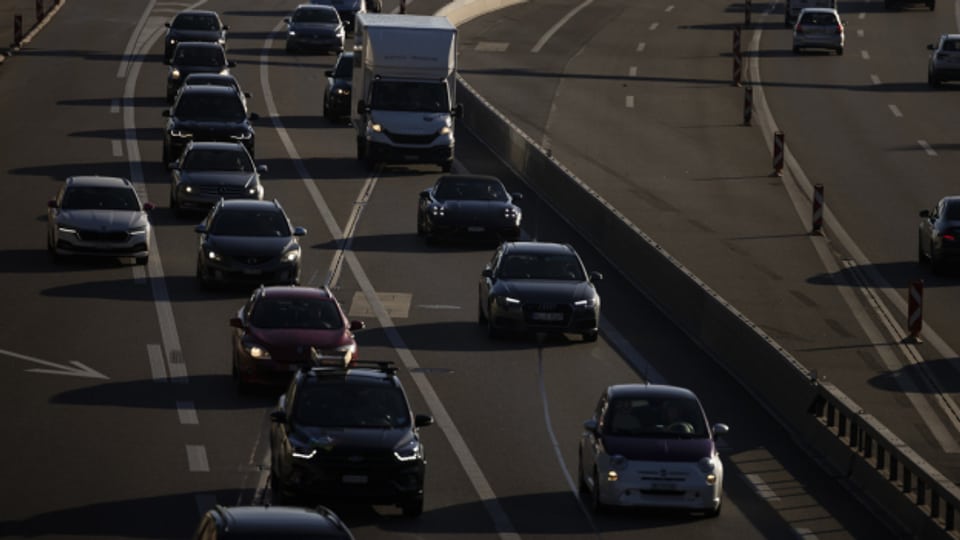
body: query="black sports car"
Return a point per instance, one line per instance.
(540, 287)
(468, 204)
(939, 236)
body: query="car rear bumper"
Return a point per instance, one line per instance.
(819, 41)
(526, 319)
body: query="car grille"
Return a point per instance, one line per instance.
(222, 191)
(560, 314)
(411, 139)
(253, 260)
(102, 236)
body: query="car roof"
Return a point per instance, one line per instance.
(98, 181)
(640, 390)
(248, 204)
(537, 247)
(326, 7)
(951, 199)
(818, 10)
(215, 145)
(468, 178)
(197, 12)
(209, 89)
(211, 77)
(275, 519)
(359, 371)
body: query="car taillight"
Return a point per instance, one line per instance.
(949, 237)
(839, 29)
(798, 29)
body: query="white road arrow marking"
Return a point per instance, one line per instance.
(75, 369)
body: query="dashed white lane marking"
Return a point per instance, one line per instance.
(862, 15)
(440, 307)
(629, 102)
(895, 110)
(859, 32)
(633, 71)
(553, 30)
(139, 275)
(761, 487)
(865, 54)
(927, 148)
(117, 147)
(197, 458)
(158, 367)
(653, 26)
(804, 533)
(874, 79)
(187, 412)
(114, 106)
(641, 46)
(492, 46)
(669, 8)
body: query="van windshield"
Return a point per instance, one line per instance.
(409, 96)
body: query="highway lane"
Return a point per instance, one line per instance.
(131, 457)
(645, 112)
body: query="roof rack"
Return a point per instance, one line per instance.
(332, 365)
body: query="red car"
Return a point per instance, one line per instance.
(282, 328)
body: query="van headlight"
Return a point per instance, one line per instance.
(445, 130)
(408, 451)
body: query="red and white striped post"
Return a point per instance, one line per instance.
(778, 153)
(17, 29)
(747, 104)
(915, 311)
(817, 208)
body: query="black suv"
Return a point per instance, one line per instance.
(207, 113)
(250, 522)
(348, 433)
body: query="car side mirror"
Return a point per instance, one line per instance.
(52, 203)
(231, 64)
(262, 169)
(357, 325)
(930, 46)
(421, 420)
(328, 73)
(236, 322)
(457, 111)
(286, 20)
(200, 228)
(590, 425)
(596, 276)
(487, 273)
(299, 231)
(247, 95)
(165, 113)
(425, 194)
(167, 24)
(226, 27)
(254, 116)
(148, 206)
(925, 213)
(721, 429)
(279, 417)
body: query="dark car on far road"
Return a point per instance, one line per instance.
(207, 113)
(193, 25)
(281, 329)
(468, 205)
(347, 434)
(195, 57)
(944, 62)
(209, 171)
(248, 241)
(315, 27)
(538, 287)
(336, 95)
(279, 522)
(939, 238)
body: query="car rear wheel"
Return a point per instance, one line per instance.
(840, 51)
(796, 50)
(932, 81)
(142, 261)
(921, 254)
(361, 149)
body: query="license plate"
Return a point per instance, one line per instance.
(662, 486)
(354, 479)
(538, 316)
(411, 157)
(251, 272)
(475, 229)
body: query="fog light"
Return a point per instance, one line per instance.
(612, 476)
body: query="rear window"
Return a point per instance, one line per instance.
(819, 19)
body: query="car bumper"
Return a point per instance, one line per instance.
(375, 483)
(138, 246)
(339, 104)
(272, 273)
(387, 153)
(472, 230)
(819, 41)
(315, 44)
(203, 197)
(662, 485)
(946, 73)
(560, 320)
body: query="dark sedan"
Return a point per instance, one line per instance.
(280, 329)
(539, 287)
(207, 113)
(210, 171)
(252, 242)
(194, 25)
(315, 27)
(195, 57)
(336, 95)
(468, 205)
(939, 238)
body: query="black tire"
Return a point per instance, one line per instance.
(796, 50)
(202, 279)
(412, 508)
(446, 166)
(420, 229)
(52, 251)
(361, 149)
(591, 336)
(481, 318)
(327, 114)
(492, 331)
(582, 486)
(596, 504)
(932, 81)
(166, 157)
(277, 496)
(936, 264)
(921, 255)
(840, 51)
(931, 6)
(715, 512)
(142, 261)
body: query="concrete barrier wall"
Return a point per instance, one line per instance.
(819, 415)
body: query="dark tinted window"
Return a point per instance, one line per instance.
(819, 19)
(951, 211)
(337, 404)
(209, 159)
(231, 222)
(193, 21)
(99, 198)
(563, 266)
(316, 16)
(313, 313)
(344, 67)
(200, 56)
(471, 190)
(409, 96)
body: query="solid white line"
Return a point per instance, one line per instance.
(444, 422)
(653, 26)
(629, 102)
(895, 110)
(633, 71)
(187, 413)
(763, 490)
(874, 79)
(865, 54)
(641, 46)
(117, 148)
(927, 148)
(197, 458)
(158, 369)
(553, 30)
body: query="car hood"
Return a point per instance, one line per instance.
(258, 246)
(180, 34)
(218, 178)
(544, 290)
(411, 122)
(105, 220)
(293, 337)
(658, 449)
(342, 440)
(315, 27)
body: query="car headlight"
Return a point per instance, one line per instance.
(138, 231)
(438, 211)
(225, 71)
(245, 136)
(342, 91)
(173, 42)
(255, 191)
(291, 32)
(214, 256)
(180, 134)
(256, 351)
(445, 130)
(507, 301)
(303, 453)
(408, 451)
(376, 127)
(66, 230)
(587, 303)
(291, 256)
(222, 41)
(175, 74)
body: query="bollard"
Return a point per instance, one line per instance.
(737, 60)
(778, 154)
(747, 8)
(915, 311)
(817, 208)
(39, 10)
(747, 104)
(17, 29)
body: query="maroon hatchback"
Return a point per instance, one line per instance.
(282, 328)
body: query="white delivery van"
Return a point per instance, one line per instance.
(404, 89)
(793, 7)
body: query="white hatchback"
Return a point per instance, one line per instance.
(818, 28)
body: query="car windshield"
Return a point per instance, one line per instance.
(340, 405)
(316, 16)
(192, 21)
(206, 159)
(200, 56)
(249, 223)
(409, 96)
(220, 107)
(562, 266)
(469, 190)
(950, 45)
(306, 313)
(655, 417)
(99, 198)
(951, 211)
(344, 69)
